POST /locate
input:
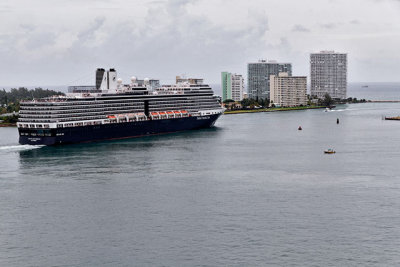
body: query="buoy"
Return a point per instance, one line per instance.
(337, 121)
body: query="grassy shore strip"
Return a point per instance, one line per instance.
(6, 124)
(270, 109)
(393, 118)
(384, 101)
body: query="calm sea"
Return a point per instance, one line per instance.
(252, 191)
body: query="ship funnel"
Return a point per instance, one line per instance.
(99, 77)
(112, 78)
(106, 80)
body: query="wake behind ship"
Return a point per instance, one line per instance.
(112, 110)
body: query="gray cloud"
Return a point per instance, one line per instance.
(38, 40)
(168, 44)
(329, 25)
(88, 33)
(163, 38)
(5, 8)
(27, 27)
(299, 28)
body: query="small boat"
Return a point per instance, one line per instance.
(300, 128)
(330, 151)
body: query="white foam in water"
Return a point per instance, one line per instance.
(19, 147)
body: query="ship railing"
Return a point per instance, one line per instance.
(170, 114)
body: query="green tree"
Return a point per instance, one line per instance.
(327, 101)
(10, 100)
(226, 101)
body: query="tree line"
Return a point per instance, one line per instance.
(326, 101)
(9, 101)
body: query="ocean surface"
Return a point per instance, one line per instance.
(252, 191)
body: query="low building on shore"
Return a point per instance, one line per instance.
(180, 79)
(288, 91)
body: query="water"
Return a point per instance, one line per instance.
(253, 191)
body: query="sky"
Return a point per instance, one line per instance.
(62, 42)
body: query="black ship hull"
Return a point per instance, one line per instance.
(94, 133)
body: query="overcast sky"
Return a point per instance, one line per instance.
(62, 42)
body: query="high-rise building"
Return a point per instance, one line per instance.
(232, 86)
(328, 74)
(288, 91)
(258, 75)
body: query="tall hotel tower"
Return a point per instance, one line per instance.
(232, 86)
(328, 74)
(258, 75)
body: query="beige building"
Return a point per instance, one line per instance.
(288, 91)
(180, 79)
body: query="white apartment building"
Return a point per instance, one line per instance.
(232, 86)
(328, 71)
(288, 91)
(237, 87)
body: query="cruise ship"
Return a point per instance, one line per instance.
(113, 110)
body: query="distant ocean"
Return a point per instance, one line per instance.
(369, 91)
(374, 91)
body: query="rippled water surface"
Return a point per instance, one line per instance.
(252, 191)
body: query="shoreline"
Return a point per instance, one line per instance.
(8, 125)
(269, 110)
(384, 101)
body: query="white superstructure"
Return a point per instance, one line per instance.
(111, 101)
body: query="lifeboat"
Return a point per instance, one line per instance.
(154, 115)
(184, 113)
